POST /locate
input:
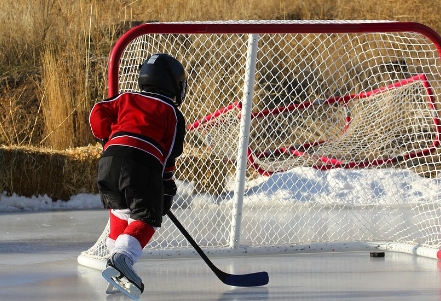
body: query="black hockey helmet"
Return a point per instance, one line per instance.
(163, 73)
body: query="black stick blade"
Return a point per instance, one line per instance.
(246, 280)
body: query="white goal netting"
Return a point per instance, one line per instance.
(332, 133)
(343, 140)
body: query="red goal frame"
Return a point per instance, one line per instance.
(258, 28)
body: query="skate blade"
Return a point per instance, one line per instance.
(111, 289)
(122, 284)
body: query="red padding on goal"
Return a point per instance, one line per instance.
(438, 254)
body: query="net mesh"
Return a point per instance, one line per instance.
(393, 80)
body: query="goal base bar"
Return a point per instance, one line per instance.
(100, 264)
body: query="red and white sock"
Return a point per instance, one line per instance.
(134, 238)
(119, 220)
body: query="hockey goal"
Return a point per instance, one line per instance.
(303, 136)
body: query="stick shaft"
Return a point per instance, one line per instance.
(254, 279)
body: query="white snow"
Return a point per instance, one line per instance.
(339, 186)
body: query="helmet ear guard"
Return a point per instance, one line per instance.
(162, 72)
(183, 89)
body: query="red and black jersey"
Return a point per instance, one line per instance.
(147, 127)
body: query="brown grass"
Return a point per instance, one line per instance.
(62, 48)
(31, 171)
(53, 60)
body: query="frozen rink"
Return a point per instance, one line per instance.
(38, 261)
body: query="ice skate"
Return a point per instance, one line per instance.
(120, 274)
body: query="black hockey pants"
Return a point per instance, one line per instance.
(127, 184)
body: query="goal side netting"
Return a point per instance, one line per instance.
(302, 136)
(349, 126)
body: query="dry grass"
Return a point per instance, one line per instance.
(53, 60)
(64, 45)
(29, 171)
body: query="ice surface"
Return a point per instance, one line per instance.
(38, 261)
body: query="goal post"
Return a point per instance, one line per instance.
(302, 136)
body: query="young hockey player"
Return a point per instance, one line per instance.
(142, 134)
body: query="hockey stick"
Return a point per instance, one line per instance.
(253, 279)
